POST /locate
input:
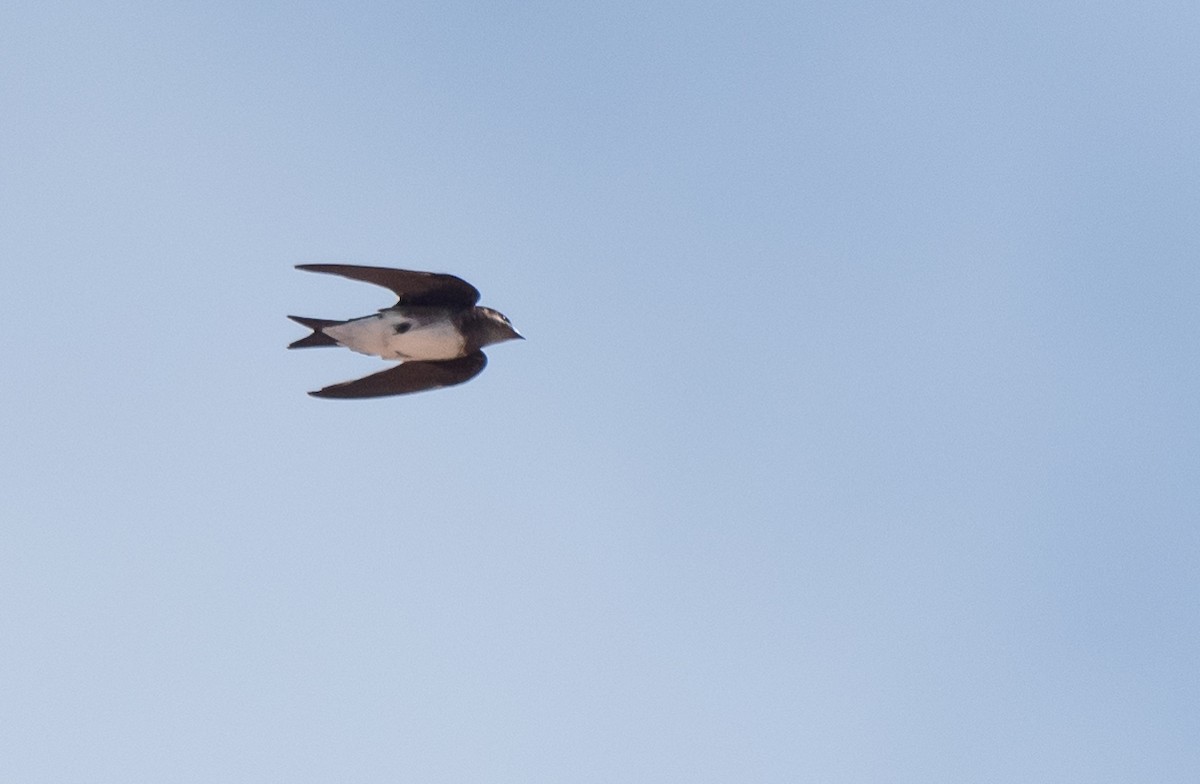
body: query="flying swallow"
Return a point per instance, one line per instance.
(435, 330)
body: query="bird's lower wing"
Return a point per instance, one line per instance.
(408, 377)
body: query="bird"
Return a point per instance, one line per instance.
(436, 330)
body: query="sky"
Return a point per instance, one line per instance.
(855, 437)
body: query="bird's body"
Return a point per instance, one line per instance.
(403, 334)
(435, 329)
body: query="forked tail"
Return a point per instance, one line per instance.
(317, 338)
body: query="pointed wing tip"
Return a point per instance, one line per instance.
(330, 392)
(332, 269)
(324, 394)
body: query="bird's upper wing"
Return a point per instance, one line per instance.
(413, 288)
(416, 376)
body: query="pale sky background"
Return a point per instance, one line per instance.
(856, 437)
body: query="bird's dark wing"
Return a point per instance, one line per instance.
(413, 288)
(409, 377)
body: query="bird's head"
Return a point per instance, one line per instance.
(495, 327)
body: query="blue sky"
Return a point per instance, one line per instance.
(855, 438)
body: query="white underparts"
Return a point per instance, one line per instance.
(378, 336)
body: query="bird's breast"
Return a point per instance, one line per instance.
(393, 335)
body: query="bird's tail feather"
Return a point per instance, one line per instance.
(317, 338)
